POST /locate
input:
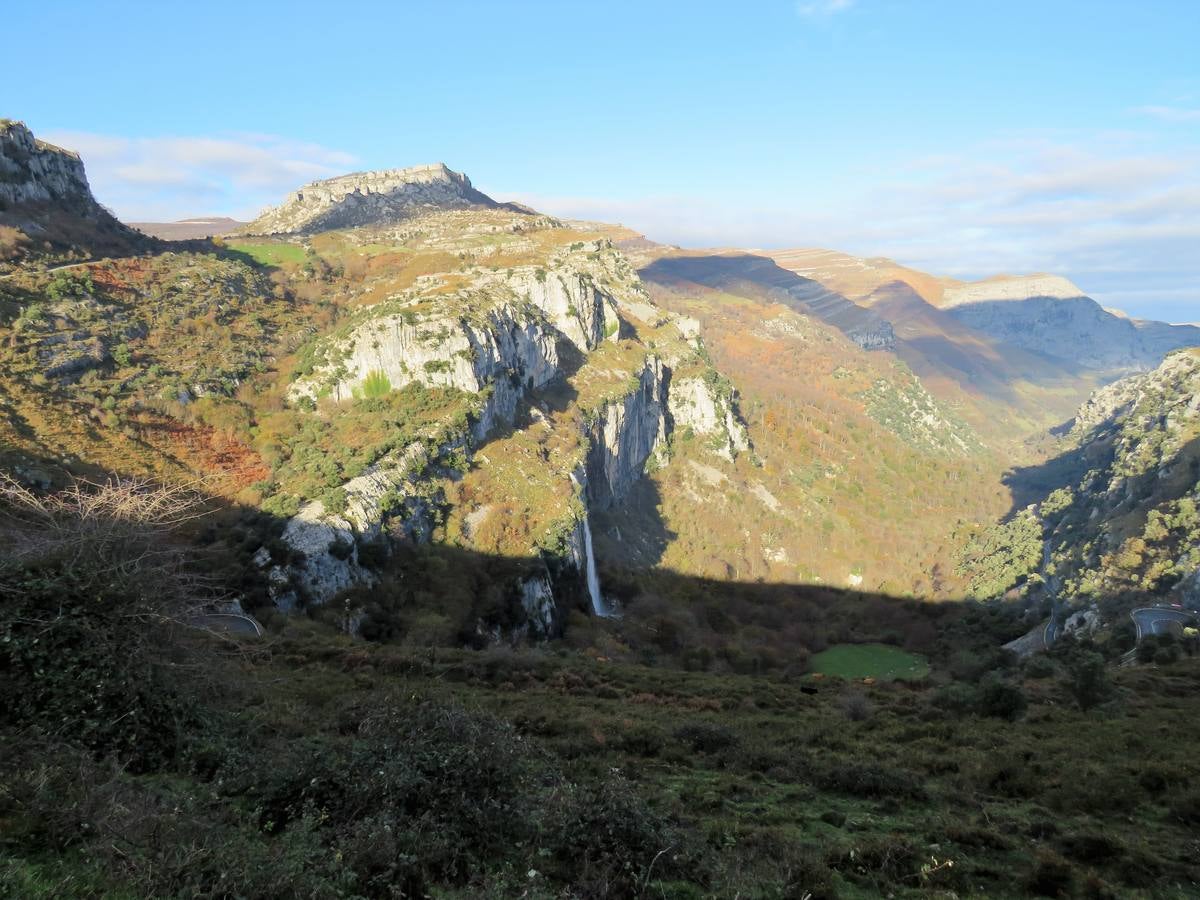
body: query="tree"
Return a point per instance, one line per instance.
(1089, 683)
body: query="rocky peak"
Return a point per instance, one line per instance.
(34, 172)
(370, 198)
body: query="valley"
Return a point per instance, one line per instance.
(677, 572)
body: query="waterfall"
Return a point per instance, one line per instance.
(599, 607)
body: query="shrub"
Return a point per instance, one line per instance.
(1000, 698)
(1186, 808)
(608, 834)
(706, 737)
(1040, 666)
(955, 698)
(375, 385)
(1088, 679)
(870, 780)
(91, 589)
(855, 706)
(1051, 876)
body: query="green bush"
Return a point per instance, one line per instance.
(1000, 698)
(375, 385)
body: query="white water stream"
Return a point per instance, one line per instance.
(599, 606)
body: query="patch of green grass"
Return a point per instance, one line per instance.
(271, 254)
(880, 661)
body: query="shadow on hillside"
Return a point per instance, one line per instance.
(633, 530)
(931, 340)
(437, 595)
(757, 276)
(1032, 484)
(429, 595)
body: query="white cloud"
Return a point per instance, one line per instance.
(1170, 113)
(1121, 222)
(817, 9)
(167, 178)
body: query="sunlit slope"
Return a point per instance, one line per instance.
(1006, 387)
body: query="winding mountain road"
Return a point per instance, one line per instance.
(1159, 619)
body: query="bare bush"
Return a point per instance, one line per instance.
(855, 706)
(117, 536)
(93, 582)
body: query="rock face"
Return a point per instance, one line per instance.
(1049, 315)
(1052, 287)
(370, 198)
(706, 405)
(32, 171)
(395, 488)
(44, 192)
(502, 336)
(623, 435)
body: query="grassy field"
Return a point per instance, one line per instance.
(270, 254)
(879, 661)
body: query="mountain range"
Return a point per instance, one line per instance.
(405, 542)
(568, 394)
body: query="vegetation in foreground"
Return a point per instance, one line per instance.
(156, 760)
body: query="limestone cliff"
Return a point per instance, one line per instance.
(706, 405)
(500, 336)
(623, 435)
(44, 193)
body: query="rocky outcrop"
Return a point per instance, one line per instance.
(34, 172)
(706, 405)
(1050, 315)
(1021, 287)
(44, 192)
(1109, 403)
(370, 198)
(1120, 505)
(622, 436)
(502, 336)
(395, 488)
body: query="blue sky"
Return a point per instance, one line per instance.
(966, 138)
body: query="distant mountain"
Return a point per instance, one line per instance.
(189, 229)
(47, 205)
(1050, 315)
(372, 198)
(1034, 344)
(999, 387)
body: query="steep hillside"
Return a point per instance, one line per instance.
(734, 271)
(47, 210)
(1114, 517)
(851, 455)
